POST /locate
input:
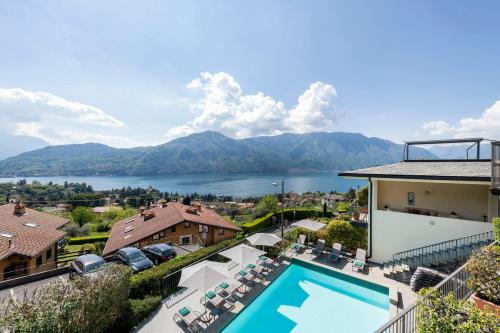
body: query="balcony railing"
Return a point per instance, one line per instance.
(406, 322)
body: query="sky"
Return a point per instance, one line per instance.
(130, 73)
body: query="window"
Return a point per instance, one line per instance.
(221, 231)
(39, 261)
(185, 240)
(172, 229)
(162, 234)
(48, 255)
(156, 236)
(187, 225)
(202, 228)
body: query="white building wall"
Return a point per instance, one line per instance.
(394, 232)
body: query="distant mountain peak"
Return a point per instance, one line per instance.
(209, 152)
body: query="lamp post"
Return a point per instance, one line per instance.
(282, 204)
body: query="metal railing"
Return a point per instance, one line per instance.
(406, 322)
(487, 237)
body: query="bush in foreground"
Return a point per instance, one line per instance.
(444, 314)
(82, 305)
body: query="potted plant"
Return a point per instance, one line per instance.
(483, 267)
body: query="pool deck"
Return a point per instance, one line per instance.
(162, 319)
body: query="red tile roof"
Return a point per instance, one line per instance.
(32, 232)
(164, 217)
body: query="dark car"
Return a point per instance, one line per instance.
(159, 253)
(86, 265)
(134, 258)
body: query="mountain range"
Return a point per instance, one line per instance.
(211, 152)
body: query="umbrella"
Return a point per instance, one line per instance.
(204, 275)
(243, 254)
(309, 225)
(265, 239)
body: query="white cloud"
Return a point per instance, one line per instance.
(487, 125)
(57, 120)
(224, 108)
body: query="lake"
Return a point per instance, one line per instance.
(238, 185)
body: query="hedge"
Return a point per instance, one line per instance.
(496, 228)
(267, 220)
(149, 282)
(142, 308)
(87, 239)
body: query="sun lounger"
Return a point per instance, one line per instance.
(318, 251)
(299, 245)
(216, 301)
(335, 254)
(247, 278)
(360, 260)
(267, 263)
(257, 270)
(187, 317)
(228, 290)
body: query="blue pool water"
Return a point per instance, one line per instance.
(306, 298)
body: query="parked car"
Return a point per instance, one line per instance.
(159, 253)
(86, 265)
(134, 258)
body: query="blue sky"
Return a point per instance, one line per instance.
(128, 73)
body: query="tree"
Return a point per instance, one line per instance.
(82, 215)
(362, 196)
(186, 201)
(268, 204)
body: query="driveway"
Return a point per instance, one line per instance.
(29, 288)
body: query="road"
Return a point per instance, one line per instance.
(28, 289)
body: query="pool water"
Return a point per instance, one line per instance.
(307, 298)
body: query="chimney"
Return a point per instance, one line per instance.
(148, 214)
(141, 210)
(19, 209)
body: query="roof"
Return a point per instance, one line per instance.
(164, 217)
(32, 232)
(438, 170)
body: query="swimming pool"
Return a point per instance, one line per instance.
(309, 298)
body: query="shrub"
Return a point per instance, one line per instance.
(141, 308)
(496, 228)
(88, 248)
(483, 267)
(89, 239)
(102, 227)
(258, 224)
(339, 231)
(268, 204)
(82, 215)
(74, 230)
(82, 305)
(444, 314)
(149, 282)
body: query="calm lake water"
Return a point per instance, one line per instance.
(238, 185)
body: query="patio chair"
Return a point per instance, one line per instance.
(299, 245)
(216, 301)
(189, 318)
(335, 254)
(228, 290)
(257, 270)
(267, 263)
(247, 278)
(360, 260)
(318, 250)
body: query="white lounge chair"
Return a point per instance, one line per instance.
(360, 260)
(335, 254)
(318, 251)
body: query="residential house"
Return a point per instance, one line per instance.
(28, 240)
(170, 222)
(420, 203)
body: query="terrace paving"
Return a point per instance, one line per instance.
(161, 320)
